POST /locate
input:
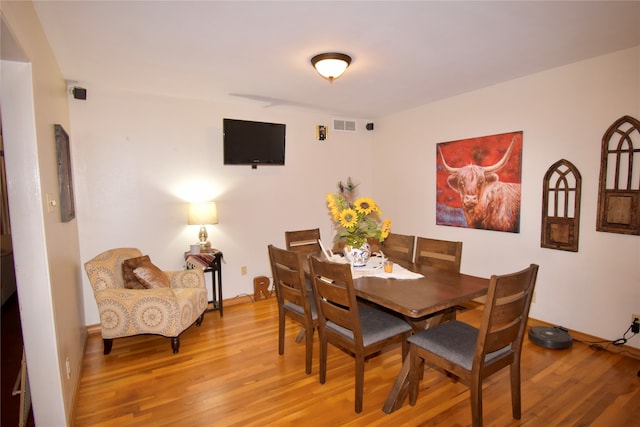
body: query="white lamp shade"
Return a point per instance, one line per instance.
(331, 68)
(203, 213)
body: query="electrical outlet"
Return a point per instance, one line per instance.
(68, 365)
(635, 318)
(635, 323)
(243, 270)
(533, 297)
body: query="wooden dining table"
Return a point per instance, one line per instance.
(418, 299)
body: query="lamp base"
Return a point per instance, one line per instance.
(203, 236)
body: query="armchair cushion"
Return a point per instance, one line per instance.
(151, 276)
(128, 265)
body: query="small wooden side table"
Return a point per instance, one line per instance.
(209, 262)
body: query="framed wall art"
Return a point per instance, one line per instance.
(478, 182)
(65, 179)
(561, 196)
(619, 189)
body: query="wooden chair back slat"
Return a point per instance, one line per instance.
(399, 247)
(335, 297)
(304, 241)
(442, 254)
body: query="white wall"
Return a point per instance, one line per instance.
(46, 251)
(563, 114)
(137, 157)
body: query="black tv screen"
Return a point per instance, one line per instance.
(253, 143)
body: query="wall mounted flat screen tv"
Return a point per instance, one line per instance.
(253, 143)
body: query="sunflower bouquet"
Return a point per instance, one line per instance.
(356, 220)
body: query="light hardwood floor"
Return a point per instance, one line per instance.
(228, 373)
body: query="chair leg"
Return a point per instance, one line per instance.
(175, 344)
(323, 359)
(415, 375)
(281, 334)
(475, 387)
(107, 343)
(200, 319)
(309, 349)
(515, 390)
(405, 349)
(359, 382)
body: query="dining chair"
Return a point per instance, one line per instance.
(442, 254)
(304, 241)
(471, 354)
(360, 329)
(399, 247)
(295, 301)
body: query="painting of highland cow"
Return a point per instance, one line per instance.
(478, 182)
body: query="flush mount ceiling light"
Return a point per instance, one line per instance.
(331, 65)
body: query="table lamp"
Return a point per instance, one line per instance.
(202, 214)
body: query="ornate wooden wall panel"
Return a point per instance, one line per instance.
(561, 196)
(619, 195)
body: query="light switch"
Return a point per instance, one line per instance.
(51, 203)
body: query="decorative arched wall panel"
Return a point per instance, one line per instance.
(619, 195)
(561, 207)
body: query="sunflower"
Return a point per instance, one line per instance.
(349, 218)
(335, 213)
(365, 205)
(331, 200)
(385, 229)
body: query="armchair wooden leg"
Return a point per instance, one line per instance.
(175, 344)
(108, 343)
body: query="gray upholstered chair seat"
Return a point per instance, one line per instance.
(455, 341)
(300, 310)
(376, 325)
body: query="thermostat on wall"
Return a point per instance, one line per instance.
(321, 132)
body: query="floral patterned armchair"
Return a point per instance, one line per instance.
(166, 311)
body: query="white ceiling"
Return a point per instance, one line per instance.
(405, 54)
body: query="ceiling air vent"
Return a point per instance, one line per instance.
(344, 125)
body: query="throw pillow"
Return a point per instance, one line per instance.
(151, 276)
(128, 265)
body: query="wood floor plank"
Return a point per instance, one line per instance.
(228, 373)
